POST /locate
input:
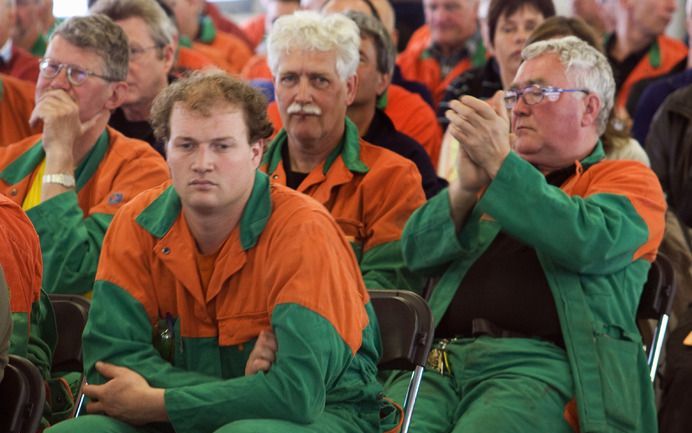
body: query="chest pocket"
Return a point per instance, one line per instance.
(240, 328)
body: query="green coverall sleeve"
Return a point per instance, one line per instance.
(70, 243)
(429, 241)
(595, 231)
(311, 357)
(118, 331)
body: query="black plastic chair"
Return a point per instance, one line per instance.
(655, 304)
(23, 397)
(406, 328)
(71, 313)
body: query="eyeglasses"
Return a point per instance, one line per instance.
(75, 75)
(534, 94)
(136, 52)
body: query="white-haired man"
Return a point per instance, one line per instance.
(550, 342)
(369, 190)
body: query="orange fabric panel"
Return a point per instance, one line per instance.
(257, 68)
(20, 256)
(191, 60)
(16, 105)
(636, 182)
(226, 51)
(672, 52)
(245, 286)
(254, 29)
(420, 39)
(412, 116)
(128, 167)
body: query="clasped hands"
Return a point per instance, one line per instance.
(482, 130)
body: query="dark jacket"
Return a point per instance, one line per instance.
(669, 145)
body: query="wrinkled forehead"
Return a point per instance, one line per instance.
(307, 61)
(545, 69)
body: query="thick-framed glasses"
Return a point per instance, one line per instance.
(75, 75)
(136, 52)
(534, 94)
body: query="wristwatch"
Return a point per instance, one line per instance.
(66, 180)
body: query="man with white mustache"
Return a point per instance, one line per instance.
(369, 190)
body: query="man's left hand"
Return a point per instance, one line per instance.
(482, 129)
(126, 396)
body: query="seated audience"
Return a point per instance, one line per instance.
(550, 343)
(74, 176)
(223, 23)
(234, 256)
(369, 190)
(151, 59)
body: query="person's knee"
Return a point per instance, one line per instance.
(91, 423)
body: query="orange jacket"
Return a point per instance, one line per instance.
(419, 39)
(371, 192)
(414, 117)
(254, 29)
(226, 51)
(116, 169)
(664, 54)
(191, 60)
(16, 105)
(20, 256)
(257, 68)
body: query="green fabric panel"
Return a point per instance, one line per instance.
(313, 366)
(24, 165)
(383, 268)
(118, 331)
(596, 234)
(207, 30)
(92, 160)
(161, 214)
(70, 249)
(20, 334)
(40, 46)
(44, 335)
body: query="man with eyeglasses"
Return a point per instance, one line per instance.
(73, 177)
(150, 35)
(543, 248)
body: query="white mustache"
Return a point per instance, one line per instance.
(296, 108)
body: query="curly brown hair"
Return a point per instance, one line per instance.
(201, 92)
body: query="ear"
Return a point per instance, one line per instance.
(383, 81)
(351, 88)
(168, 56)
(117, 96)
(592, 107)
(257, 149)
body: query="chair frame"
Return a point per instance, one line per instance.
(407, 330)
(656, 303)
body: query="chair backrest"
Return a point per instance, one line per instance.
(23, 397)
(406, 328)
(655, 303)
(71, 313)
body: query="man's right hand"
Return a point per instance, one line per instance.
(263, 354)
